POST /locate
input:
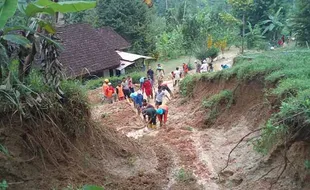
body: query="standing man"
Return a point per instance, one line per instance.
(177, 77)
(159, 96)
(126, 88)
(185, 69)
(110, 93)
(130, 84)
(162, 114)
(120, 92)
(150, 73)
(160, 68)
(147, 86)
(198, 66)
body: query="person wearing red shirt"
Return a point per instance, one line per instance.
(147, 86)
(185, 69)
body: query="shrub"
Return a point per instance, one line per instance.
(185, 176)
(214, 103)
(212, 52)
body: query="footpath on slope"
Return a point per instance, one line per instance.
(195, 154)
(181, 136)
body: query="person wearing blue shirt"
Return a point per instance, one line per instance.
(137, 99)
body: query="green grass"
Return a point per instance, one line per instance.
(170, 65)
(214, 103)
(286, 69)
(185, 176)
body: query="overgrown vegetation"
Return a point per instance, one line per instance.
(289, 70)
(217, 104)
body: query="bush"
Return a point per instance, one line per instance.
(212, 52)
(203, 53)
(214, 103)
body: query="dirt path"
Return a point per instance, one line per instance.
(195, 153)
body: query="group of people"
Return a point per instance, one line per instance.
(121, 92)
(126, 90)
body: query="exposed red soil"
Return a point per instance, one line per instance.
(153, 160)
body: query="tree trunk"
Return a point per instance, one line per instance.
(243, 32)
(29, 60)
(166, 5)
(21, 71)
(0, 74)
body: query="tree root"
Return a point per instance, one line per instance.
(240, 141)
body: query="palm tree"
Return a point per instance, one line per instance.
(275, 24)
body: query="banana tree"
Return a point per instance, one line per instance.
(41, 14)
(37, 38)
(274, 24)
(254, 37)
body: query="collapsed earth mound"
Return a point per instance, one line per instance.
(260, 108)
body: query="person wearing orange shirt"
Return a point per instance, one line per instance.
(120, 92)
(104, 88)
(185, 69)
(110, 93)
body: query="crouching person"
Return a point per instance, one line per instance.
(151, 114)
(162, 114)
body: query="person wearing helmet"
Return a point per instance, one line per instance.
(151, 114)
(162, 114)
(104, 88)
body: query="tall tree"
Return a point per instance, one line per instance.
(130, 18)
(242, 7)
(301, 22)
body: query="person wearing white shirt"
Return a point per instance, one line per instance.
(177, 76)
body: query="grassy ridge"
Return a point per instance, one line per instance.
(289, 70)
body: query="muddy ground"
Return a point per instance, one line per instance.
(194, 152)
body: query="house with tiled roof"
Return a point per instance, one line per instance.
(89, 51)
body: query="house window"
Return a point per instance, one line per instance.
(111, 72)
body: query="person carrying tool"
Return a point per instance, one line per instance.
(151, 114)
(162, 114)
